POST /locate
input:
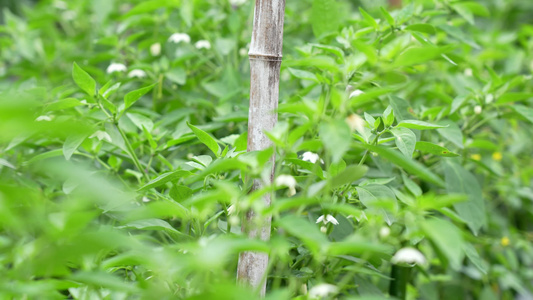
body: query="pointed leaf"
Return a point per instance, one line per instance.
(133, 96)
(83, 80)
(405, 140)
(206, 139)
(460, 181)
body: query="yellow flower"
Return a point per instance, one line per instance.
(475, 157)
(505, 241)
(497, 156)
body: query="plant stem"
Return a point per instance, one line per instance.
(132, 153)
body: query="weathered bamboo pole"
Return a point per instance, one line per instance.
(265, 61)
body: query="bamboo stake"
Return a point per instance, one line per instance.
(265, 61)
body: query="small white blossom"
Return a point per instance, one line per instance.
(468, 72)
(243, 51)
(155, 49)
(60, 4)
(322, 290)
(236, 3)
(179, 37)
(311, 157)
(384, 232)
(231, 209)
(355, 122)
(202, 44)
(323, 229)
(116, 67)
(146, 199)
(69, 15)
(327, 219)
(356, 93)
(43, 118)
(288, 181)
(489, 98)
(101, 135)
(477, 109)
(409, 256)
(137, 73)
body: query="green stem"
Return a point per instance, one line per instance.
(132, 153)
(400, 278)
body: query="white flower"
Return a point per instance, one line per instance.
(179, 37)
(288, 181)
(477, 109)
(327, 219)
(311, 157)
(322, 290)
(243, 51)
(43, 118)
(137, 73)
(356, 93)
(237, 2)
(60, 4)
(468, 72)
(155, 49)
(231, 209)
(101, 135)
(355, 122)
(489, 98)
(409, 256)
(384, 232)
(146, 199)
(116, 67)
(202, 44)
(323, 229)
(69, 15)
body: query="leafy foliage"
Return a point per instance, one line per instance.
(123, 170)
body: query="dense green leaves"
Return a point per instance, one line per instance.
(460, 181)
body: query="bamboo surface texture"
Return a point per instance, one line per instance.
(265, 60)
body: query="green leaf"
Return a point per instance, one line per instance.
(133, 96)
(151, 224)
(524, 111)
(349, 175)
(72, 143)
(303, 74)
(206, 139)
(305, 231)
(177, 75)
(408, 165)
(373, 195)
(164, 178)
(83, 80)
(431, 148)
(424, 28)
(451, 132)
(388, 116)
(447, 240)
(63, 104)
(387, 16)
(513, 97)
(336, 138)
(405, 140)
(141, 121)
(368, 18)
(419, 55)
(460, 181)
(324, 17)
(180, 192)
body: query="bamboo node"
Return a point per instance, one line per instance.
(266, 57)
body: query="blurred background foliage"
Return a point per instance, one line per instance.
(137, 190)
